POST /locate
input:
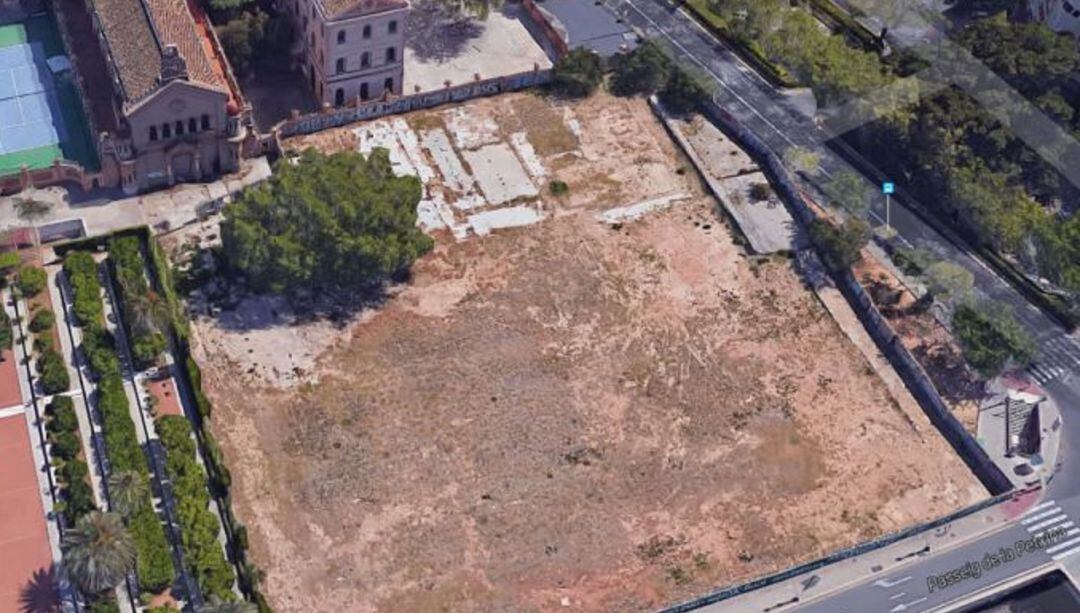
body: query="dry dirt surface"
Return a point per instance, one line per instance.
(572, 415)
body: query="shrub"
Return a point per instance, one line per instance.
(578, 73)
(683, 93)
(840, 247)
(642, 71)
(760, 191)
(42, 320)
(31, 280)
(991, 337)
(43, 343)
(63, 435)
(82, 272)
(7, 336)
(9, 260)
(53, 372)
(558, 188)
(199, 526)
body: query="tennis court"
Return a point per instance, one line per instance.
(40, 114)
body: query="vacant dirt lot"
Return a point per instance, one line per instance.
(569, 415)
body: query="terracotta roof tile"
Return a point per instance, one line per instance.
(176, 26)
(132, 44)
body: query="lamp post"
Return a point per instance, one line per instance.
(888, 188)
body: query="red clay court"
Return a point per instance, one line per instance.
(24, 541)
(10, 394)
(165, 400)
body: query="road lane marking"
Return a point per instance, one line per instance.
(890, 584)
(906, 605)
(1044, 514)
(895, 596)
(1065, 554)
(1041, 505)
(1066, 544)
(1049, 522)
(1063, 526)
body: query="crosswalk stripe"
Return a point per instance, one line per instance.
(1065, 544)
(1049, 522)
(1041, 515)
(1041, 505)
(1065, 554)
(1063, 526)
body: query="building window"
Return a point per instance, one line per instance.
(205, 122)
(392, 27)
(341, 37)
(391, 54)
(192, 125)
(365, 59)
(153, 132)
(166, 131)
(363, 91)
(388, 85)
(179, 128)
(313, 14)
(340, 65)
(339, 96)
(367, 31)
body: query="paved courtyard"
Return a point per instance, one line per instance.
(437, 51)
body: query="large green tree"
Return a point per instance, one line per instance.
(98, 552)
(991, 337)
(338, 221)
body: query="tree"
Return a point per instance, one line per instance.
(578, 73)
(31, 280)
(9, 260)
(644, 70)
(128, 492)
(849, 191)
(242, 37)
(802, 160)
(217, 605)
(53, 373)
(6, 334)
(42, 320)
(337, 221)
(683, 92)
(98, 552)
(990, 337)
(948, 280)
(840, 246)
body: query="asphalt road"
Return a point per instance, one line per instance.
(776, 119)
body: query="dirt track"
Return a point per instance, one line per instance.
(571, 416)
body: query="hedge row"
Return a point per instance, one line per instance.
(65, 447)
(82, 273)
(198, 524)
(778, 75)
(147, 342)
(154, 565)
(218, 474)
(52, 371)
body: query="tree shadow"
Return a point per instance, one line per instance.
(436, 32)
(42, 593)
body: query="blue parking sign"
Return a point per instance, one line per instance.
(888, 187)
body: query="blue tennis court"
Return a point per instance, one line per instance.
(30, 116)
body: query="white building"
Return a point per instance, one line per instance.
(1060, 15)
(353, 49)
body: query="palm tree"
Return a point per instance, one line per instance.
(98, 552)
(217, 605)
(128, 492)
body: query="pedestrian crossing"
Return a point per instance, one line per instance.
(1055, 358)
(1047, 516)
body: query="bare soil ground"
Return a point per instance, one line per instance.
(569, 415)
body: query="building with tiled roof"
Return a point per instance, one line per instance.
(175, 110)
(353, 49)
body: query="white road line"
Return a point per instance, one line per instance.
(892, 583)
(1063, 526)
(895, 596)
(1049, 522)
(706, 68)
(906, 605)
(1041, 515)
(1041, 505)
(1065, 544)
(1065, 554)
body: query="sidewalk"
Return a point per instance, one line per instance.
(161, 210)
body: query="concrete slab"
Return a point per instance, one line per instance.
(632, 212)
(500, 45)
(500, 174)
(471, 130)
(524, 149)
(446, 159)
(509, 217)
(381, 134)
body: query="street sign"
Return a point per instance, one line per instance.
(888, 187)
